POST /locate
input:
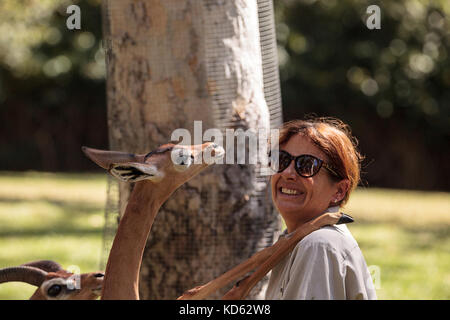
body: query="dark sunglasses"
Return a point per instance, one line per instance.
(306, 165)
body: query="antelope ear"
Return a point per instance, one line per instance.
(106, 159)
(134, 171)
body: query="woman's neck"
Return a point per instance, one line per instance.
(302, 218)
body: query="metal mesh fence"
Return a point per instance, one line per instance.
(246, 222)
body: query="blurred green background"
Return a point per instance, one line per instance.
(391, 85)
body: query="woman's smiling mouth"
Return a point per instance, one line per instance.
(289, 191)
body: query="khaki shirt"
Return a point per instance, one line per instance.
(325, 265)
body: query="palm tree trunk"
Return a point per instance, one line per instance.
(171, 62)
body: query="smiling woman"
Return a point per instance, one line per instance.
(317, 169)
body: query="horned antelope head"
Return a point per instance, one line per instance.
(53, 282)
(174, 163)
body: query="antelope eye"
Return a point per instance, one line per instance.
(54, 290)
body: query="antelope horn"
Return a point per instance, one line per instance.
(30, 275)
(46, 265)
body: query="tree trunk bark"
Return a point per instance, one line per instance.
(170, 63)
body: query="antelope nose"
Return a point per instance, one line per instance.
(217, 151)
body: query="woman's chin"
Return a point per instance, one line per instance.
(290, 203)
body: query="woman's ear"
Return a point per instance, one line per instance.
(342, 187)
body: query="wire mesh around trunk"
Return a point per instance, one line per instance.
(225, 215)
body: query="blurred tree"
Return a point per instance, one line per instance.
(52, 93)
(170, 63)
(391, 85)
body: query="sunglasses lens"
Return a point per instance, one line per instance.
(278, 164)
(285, 160)
(307, 166)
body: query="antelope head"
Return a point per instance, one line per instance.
(53, 282)
(175, 164)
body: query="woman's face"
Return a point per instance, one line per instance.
(301, 199)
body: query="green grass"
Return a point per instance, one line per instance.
(406, 235)
(403, 234)
(50, 216)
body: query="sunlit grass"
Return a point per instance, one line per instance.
(408, 208)
(86, 188)
(80, 250)
(406, 234)
(413, 264)
(50, 216)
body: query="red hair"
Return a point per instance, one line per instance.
(334, 138)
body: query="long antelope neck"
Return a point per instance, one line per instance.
(122, 271)
(266, 259)
(283, 247)
(202, 292)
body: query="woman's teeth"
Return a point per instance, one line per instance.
(288, 191)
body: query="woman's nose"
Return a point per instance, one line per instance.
(289, 173)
